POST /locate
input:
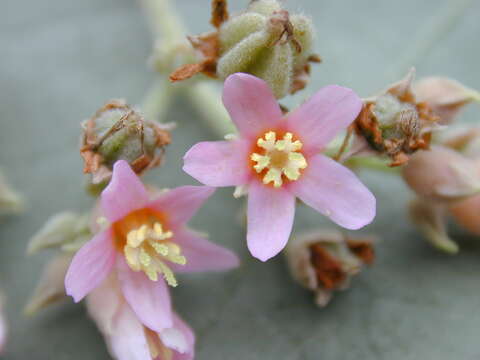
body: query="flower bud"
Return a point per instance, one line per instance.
(118, 132)
(265, 40)
(430, 218)
(442, 174)
(67, 231)
(325, 261)
(394, 123)
(50, 288)
(10, 201)
(446, 97)
(467, 213)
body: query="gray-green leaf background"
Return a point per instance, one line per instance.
(62, 59)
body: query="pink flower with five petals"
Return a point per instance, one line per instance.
(146, 237)
(277, 158)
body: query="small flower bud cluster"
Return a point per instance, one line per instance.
(326, 260)
(394, 124)
(264, 40)
(118, 132)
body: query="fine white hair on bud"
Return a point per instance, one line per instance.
(268, 42)
(265, 40)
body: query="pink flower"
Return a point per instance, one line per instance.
(3, 328)
(146, 237)
(127, 338)
(278, 158)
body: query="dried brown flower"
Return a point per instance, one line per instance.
(325, 261)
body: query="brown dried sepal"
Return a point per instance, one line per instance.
(301, 76)
(94, 161)
(362, 249)
(219, 13)
(328, 270)
(410, 123)
(208, 47)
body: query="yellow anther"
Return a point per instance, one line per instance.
(281, 158)
(148, 249)
(144, 258)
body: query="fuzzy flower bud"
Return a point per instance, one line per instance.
(394, 124)
(445, 96)
(67, 232)
(446, 180)
(10, 201)
(264, 40)
(325, 261)
(118, 132)
(442, 174)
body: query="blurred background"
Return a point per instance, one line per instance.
(62, 59)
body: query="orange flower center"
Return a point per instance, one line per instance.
(147, 245)
(278, 159)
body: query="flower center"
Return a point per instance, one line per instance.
(278, 160)
(147, 246)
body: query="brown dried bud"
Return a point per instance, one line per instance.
(394, 123)
(118, 132)
(324, 261)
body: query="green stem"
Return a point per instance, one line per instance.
(166, 23)
(157, 100)
(164, 20)
(371, 163)
(206, 99)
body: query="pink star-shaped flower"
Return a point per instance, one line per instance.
(277, 158)
(145, 242)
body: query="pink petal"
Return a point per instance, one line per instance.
(150, 300)
(270, 220)
(3, 330)
(123, 332)
(188, 335)
(180, 204)
(336, 192)
(219, 163)
(90, 265)
(201, 254)
(251, 104)
(124, 194)
(179, 337)
(128, 342)
(104, 303)
(329, 111)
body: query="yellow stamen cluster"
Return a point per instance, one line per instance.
(281, 157)
(148, 247)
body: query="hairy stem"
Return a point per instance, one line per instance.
(206, 99)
